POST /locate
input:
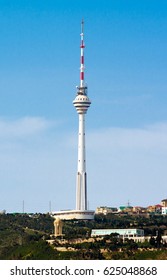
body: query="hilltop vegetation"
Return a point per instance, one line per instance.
(24, 236)
(18, 230)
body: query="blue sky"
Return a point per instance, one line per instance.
(126, 125)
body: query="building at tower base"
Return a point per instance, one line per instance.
(73, 215)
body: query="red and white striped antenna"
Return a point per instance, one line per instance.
(82, 67)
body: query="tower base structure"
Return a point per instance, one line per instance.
(74, 215)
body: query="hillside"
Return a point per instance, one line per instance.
(24, 236)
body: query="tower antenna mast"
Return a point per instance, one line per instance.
(82, 67)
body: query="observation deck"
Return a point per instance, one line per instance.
(82, 101)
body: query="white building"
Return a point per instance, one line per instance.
(164, 210)
(124, 233)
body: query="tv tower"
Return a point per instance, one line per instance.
(81, 103)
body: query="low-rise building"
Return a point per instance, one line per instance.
(164, 202)
(125, 209)
(139, 210)
(164, 210)
(124, 233)
(156, 209)
(105, 210)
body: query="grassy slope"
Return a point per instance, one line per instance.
(22, 237)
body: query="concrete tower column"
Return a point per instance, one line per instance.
(81, 203)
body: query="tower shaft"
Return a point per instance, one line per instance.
(81, 188)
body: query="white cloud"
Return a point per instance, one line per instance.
(22, 127)
(128, 164)
(147, 138)
(34, 164)
(122, 164)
